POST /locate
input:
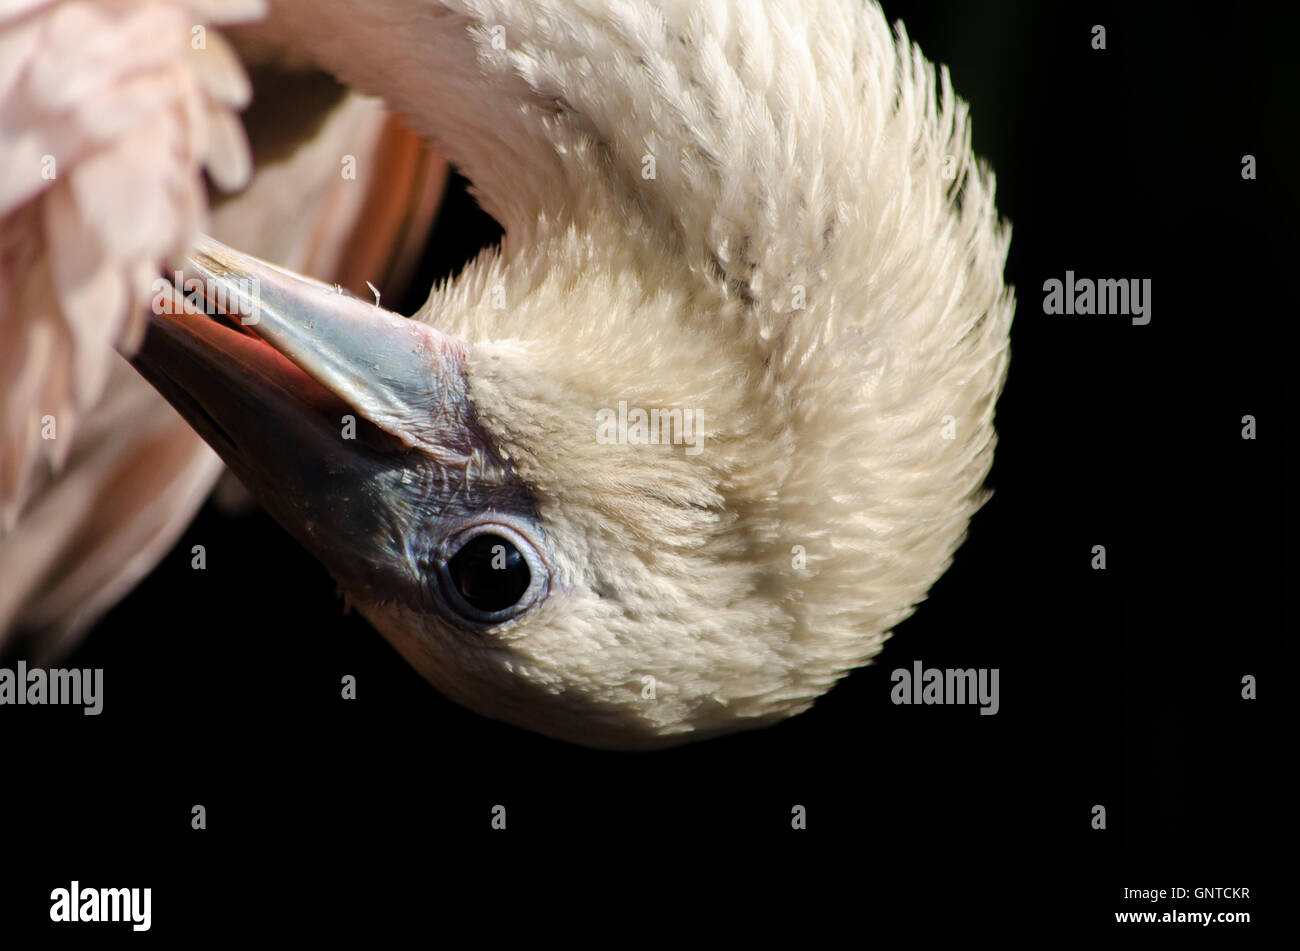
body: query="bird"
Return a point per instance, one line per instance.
(703, 429)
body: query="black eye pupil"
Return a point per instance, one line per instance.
(489, 573)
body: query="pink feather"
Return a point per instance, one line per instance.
(109, 115)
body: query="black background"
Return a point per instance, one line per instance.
(1118, 687)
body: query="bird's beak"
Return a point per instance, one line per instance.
(340, 417)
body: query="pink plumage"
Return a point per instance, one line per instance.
(110, 112)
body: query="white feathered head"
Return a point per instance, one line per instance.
(767, 216)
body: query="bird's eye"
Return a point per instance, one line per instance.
(490, 573)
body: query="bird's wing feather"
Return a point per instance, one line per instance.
(109, 112)
(134, 479)
(94, 508)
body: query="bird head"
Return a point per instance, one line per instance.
(562, 533)
(688, 445)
